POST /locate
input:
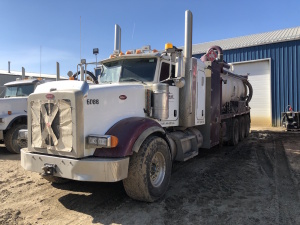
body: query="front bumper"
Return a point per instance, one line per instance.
(86, 169)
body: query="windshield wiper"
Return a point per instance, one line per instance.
(133, 79)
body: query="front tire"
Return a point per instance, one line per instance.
(11, 139)
(149, 171)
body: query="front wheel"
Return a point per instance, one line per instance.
(149, 171)
(11, 141)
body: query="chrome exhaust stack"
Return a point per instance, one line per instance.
(57, 71)
(117, 46)
(23, 73)
(188, 33)
(187, 95)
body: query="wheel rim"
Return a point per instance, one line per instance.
(18, 144)
(158, 169)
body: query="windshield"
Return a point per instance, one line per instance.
(129, 70)
(18, 91)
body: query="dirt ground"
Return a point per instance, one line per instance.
(256, 182)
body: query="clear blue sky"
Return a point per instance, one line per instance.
(54, 27)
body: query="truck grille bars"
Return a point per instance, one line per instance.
(51, 124)
(48, 114)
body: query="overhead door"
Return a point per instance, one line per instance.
(260, 78)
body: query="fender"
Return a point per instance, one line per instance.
(20, 117)
(131, 133)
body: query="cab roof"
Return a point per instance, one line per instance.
(22, 82)
(132, 56)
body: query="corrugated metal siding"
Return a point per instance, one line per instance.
(271, 37)
(285, 72)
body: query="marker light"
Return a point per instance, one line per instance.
(129, 52)
(112, 56)
(121, 53)
(154, 50)
(168, 45)
(138, 51)
(114, 141)
(9, 112)
(71, 78)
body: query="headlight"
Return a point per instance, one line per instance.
(103, 141)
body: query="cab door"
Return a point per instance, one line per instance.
(173, 94)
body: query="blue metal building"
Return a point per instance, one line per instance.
(281, 50)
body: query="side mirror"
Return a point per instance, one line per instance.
(98, 71)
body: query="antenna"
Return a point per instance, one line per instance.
(40, 60)
(80, 38)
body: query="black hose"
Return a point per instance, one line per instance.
(246, 82)
(75, 75)
(220, 51)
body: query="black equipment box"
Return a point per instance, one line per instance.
(291, 120)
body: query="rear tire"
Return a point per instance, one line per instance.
(247, 125)
(234, 132)
(55, 180)
(11, 139)
(242, 128)
(149, 171)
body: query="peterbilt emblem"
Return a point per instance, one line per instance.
(49, 96)
(122, 97)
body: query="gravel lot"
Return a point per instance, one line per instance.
(256, 182)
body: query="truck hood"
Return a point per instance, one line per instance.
(109, 103)
(16, 105)
(82, 86)
(62, 86)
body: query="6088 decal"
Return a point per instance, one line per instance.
(92, 101)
